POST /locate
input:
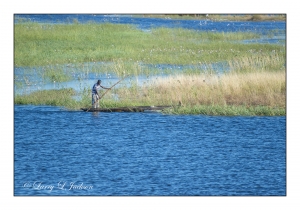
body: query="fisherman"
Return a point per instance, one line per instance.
(95, 94)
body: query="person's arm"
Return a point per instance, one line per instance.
(104, 87)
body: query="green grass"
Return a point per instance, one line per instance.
(51, 44)
(61, 97)
(218, 110)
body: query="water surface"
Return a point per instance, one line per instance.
(147, 24)
(150, 154)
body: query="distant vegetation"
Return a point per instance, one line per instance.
(223, 17)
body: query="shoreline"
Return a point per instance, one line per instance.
(206, 110)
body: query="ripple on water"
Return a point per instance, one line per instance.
(148, 153)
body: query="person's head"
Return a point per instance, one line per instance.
(99, 82)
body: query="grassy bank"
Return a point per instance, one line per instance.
(217, 110)
(62, 97)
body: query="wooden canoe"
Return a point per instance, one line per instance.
(126, 109)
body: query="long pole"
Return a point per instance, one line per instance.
(111, 87)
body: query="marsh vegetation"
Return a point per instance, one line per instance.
(254, 85)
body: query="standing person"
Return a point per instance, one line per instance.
(95, 94)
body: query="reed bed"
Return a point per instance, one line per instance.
(251, 89)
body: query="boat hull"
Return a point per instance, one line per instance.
(126, 109)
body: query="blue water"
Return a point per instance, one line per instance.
(60, 152)
(28, 80)
(147, 24)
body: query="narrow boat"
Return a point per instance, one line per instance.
(127, 109)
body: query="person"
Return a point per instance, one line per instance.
(95, 93)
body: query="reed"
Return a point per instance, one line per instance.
(249, 89)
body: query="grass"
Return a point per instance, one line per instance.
(61, 97)
(51, 44)
(258, 62)
(65, 50)
(255, 85)
(256, 93)
(217, 110)
(249, 89)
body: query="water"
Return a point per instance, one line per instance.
(28, 80)
(146, 24)
(59, 152)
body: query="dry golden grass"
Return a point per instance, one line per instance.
(250, 89)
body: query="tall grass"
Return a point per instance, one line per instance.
(258, 62)
(249, 89)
